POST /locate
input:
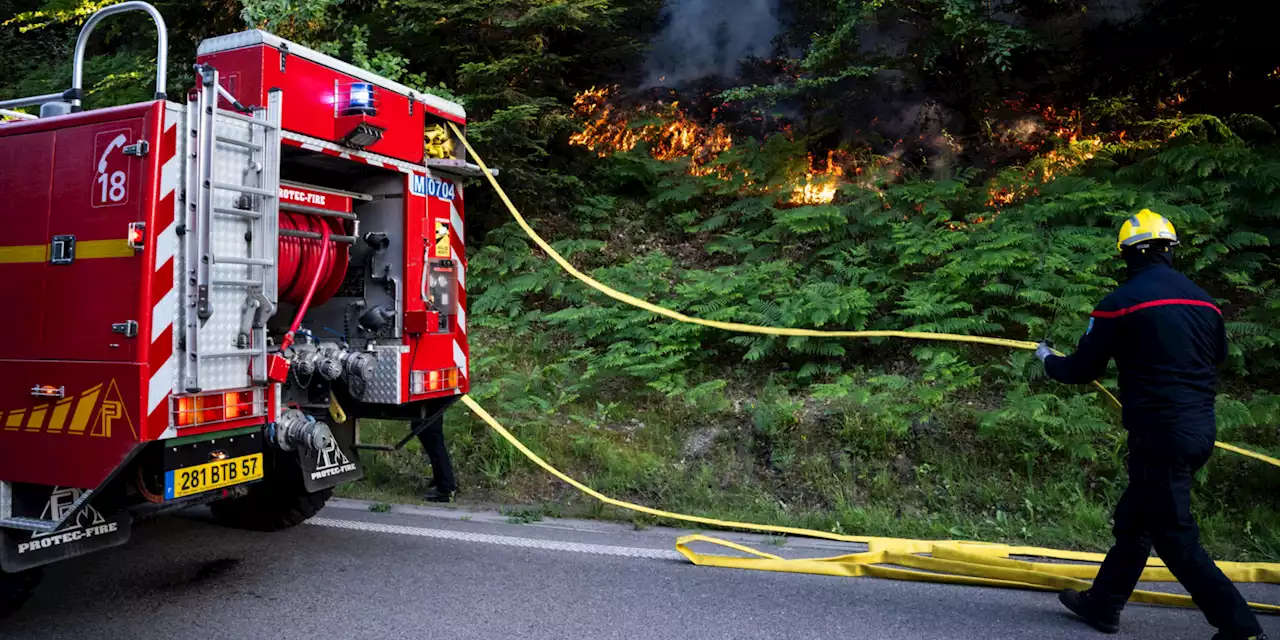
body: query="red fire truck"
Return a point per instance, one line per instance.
(208, 297)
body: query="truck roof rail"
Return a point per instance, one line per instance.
(76, 92)
(162, 46)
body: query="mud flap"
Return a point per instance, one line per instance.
(329, 467)
(87, 532)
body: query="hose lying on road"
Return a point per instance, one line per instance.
(954, 562)
(948, 561)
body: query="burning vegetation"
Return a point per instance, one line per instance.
(1037, 128)
(819, 186)
(1046, 141)
(607, 130)
(671, 135)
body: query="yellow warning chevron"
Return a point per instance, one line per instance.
(95, 413)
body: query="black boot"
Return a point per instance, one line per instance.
(436, 495)
(1080, 604)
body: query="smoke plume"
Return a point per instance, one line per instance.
(703, 38)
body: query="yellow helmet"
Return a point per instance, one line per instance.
(1146, 225)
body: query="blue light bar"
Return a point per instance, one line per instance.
(360, 99)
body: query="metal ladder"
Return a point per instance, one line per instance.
(220, 197)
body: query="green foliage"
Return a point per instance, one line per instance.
(875, 436)
(901, 256)
(925, 255)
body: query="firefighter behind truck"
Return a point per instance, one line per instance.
(210, 295)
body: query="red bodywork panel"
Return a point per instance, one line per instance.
(310, 97)
(77, 394)
(70, 176)
(431, 350)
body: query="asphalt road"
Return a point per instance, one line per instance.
(432, 573)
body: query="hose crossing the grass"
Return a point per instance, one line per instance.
(738, 327)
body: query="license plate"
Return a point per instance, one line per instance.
(213, 475)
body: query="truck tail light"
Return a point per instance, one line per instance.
(184, 412)
(209, 408)
(431, 381)
(213, 408)
(237, 404)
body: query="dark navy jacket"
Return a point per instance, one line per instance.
(1167, 337)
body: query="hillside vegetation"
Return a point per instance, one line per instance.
(929, 165)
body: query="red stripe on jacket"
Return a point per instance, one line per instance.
(1156, 303)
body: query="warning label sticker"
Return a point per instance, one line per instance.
(442, 239)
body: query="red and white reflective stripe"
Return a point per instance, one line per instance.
(330, 149)
(1156, 303)
(461, 349)
(160, 355)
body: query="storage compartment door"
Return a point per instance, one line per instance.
(99, 189)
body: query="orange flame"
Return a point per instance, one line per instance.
(602, 131)
(607, 131)
(819, 186)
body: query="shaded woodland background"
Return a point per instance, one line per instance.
(944, 165)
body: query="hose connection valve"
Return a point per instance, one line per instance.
(296, 429)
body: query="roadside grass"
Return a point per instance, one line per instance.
(887, 467)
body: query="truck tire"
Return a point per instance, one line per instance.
(278, 502)
(16, 588)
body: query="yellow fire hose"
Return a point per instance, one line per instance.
(947, 561)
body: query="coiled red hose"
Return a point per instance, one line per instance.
(310, 270)
(300, 260)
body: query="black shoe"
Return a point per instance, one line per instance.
(1222, 635)
(436, 495)
(1079, 604)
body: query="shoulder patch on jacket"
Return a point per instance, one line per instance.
(1089, 329)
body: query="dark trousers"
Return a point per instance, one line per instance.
(1155, 511)
(432, 439)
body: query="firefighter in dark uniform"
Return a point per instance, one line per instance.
(1167, 338)
(443, 485)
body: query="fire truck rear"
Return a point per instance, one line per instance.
(208, 297)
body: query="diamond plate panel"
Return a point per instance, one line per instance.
(384, 386)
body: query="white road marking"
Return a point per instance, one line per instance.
(506, 541)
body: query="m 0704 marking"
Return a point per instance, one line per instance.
(425, 186)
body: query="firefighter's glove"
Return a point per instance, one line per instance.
(1043, 351)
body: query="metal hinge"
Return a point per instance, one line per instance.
(129, 328)
(139, 148)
